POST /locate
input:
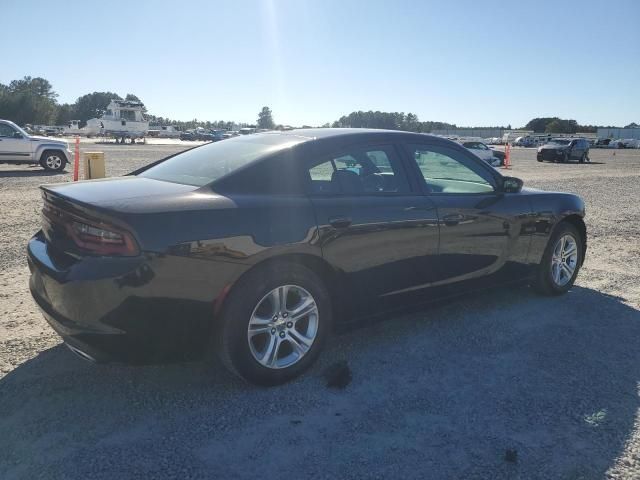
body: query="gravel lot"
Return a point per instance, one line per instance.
(440, 393)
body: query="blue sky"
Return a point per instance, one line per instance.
(470, 63)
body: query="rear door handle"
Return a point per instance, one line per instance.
(453, 219)
(340, 222)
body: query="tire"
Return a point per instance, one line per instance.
(540, 160)
(251, 303)
(53, 160)
(583, 158)
(546, 281)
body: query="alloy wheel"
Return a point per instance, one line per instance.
(53, 162)
(283, 327)
(564, 260)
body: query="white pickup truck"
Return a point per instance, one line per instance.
(18, 147)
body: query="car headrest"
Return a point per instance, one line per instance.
(346, 181)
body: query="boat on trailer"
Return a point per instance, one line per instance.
(122, 120)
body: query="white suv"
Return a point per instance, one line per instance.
(17, 146)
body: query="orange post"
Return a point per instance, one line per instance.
(76, 160)
(507, 156)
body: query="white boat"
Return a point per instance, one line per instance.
(123, 119)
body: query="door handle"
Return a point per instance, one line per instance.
(340, 222)
(425, 208)
(452, 219)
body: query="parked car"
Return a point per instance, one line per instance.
(602, 143)
(631, 143)
(524, 142)
(492, 157)
(564, 150)
(18, 147)
(200, 135)
(254, 247)
(218, 135)
(188, 135)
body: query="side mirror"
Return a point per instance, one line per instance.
(511, 185)
(17, 135)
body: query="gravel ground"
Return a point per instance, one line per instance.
(439, 393)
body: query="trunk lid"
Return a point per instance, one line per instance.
(124, 204)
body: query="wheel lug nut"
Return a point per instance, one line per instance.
(289, 324)
(273, 331)
(281, 334)
(275, 318)
(285, 315)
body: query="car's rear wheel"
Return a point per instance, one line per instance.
(274, 324)
(561, 261)
(53, 161)
(583, 157)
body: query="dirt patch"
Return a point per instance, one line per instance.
(440, 393)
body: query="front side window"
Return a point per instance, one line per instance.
(444, 171)
(6, 130)
(362, 171)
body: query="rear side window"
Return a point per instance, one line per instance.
(203, 165)
(362, 171)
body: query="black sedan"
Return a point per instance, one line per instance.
(252, 247)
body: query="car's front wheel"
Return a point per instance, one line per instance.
(561, 261)
(274, 323)
(53, 161)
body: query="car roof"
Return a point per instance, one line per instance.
(309, 134)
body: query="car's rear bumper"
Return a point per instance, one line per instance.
(111, 309)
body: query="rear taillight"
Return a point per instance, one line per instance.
(103, 239)
(95, 237)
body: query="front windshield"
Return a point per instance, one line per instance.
(203, 165)
(560, 141)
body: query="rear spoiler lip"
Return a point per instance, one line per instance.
(91, 212)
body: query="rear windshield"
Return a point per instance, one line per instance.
(203, 165)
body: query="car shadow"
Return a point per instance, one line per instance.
(36, 171)
(449, 388)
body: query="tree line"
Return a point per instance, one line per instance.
(33, 101)
(388, 120)
(559, 125)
